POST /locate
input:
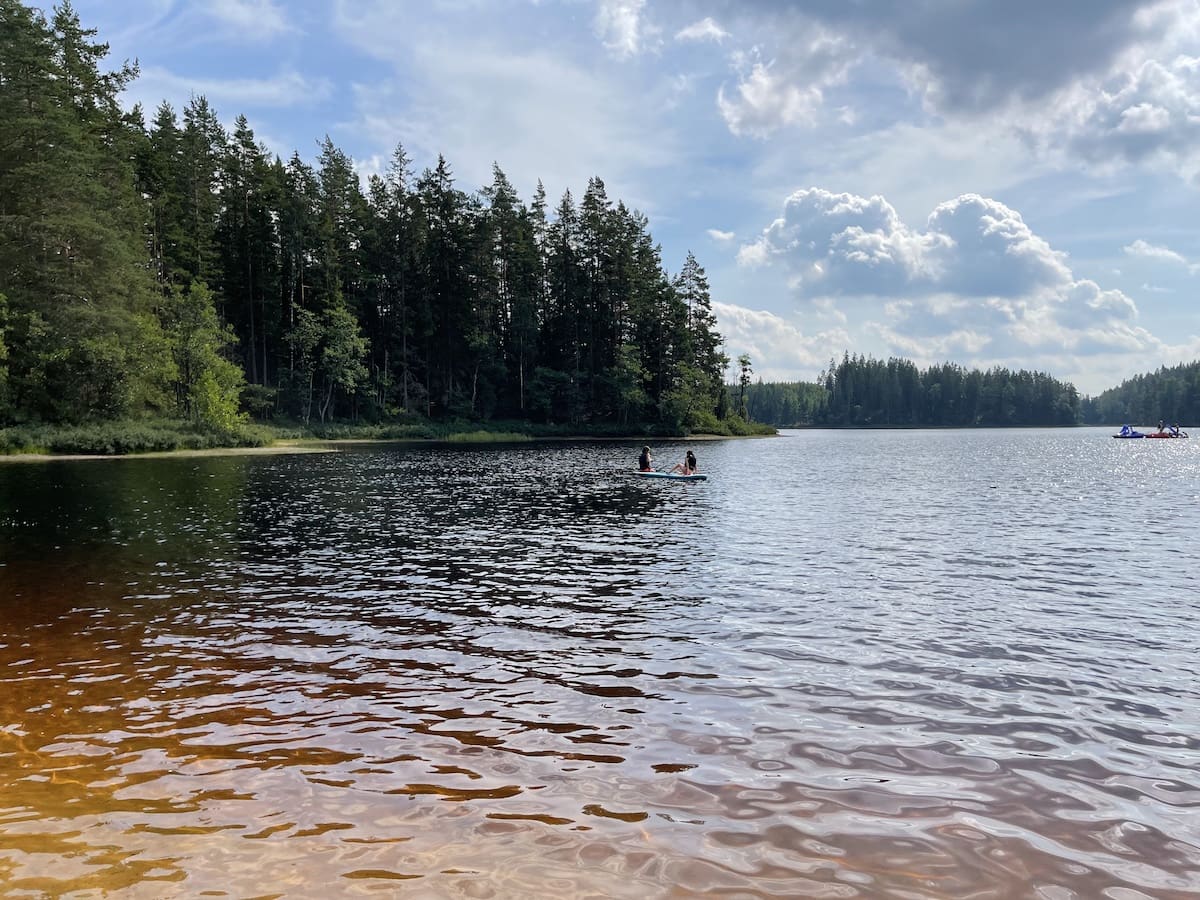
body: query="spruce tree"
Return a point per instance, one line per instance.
(704, 341)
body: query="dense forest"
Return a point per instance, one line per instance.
(173, 268)
(860, 391)
(1170, 394)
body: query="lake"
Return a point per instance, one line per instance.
(851, 664)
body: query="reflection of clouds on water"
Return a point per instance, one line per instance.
(858, 664)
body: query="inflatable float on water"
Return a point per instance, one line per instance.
(1172, 432)
(672, 476)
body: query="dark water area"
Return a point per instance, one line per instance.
(851, 664)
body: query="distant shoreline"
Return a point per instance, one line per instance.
(945, 427)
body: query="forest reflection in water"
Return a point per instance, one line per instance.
(509, 672)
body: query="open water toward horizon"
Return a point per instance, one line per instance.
(852, 664)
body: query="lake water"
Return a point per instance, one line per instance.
(851, 664)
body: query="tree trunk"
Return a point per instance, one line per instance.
(328, 400)
(250, 309)
(308, 400)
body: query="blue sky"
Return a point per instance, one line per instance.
(989, 183)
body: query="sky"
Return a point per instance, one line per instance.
(989, 183)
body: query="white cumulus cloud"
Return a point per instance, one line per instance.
(788, 90)
(975, 279)
(779, 349)
(1146, 114)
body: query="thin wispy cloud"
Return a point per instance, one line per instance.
(287, 89)
(1147, 250)
(705, 30)
(547, 118)
(258, 18)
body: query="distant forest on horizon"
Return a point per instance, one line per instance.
(865, 392)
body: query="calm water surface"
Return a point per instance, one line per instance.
(908, 664)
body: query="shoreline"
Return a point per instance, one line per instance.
(330, 445)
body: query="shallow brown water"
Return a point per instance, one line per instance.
(956, 664)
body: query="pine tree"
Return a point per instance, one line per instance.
(517, 272)
(599, 303)
(298, 242)
(403, 249)
(448, 295)
(201, 145)
(341, 215)
(247, 247)
(161, 178)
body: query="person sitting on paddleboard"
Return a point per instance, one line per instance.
(644, 461)
(1160, 426)
(687, 467)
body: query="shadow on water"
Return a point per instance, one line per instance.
(505, 671)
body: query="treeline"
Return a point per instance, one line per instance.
(861, 391)
(174, 268)
(1170, 394)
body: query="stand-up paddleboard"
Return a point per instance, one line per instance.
(671, 475)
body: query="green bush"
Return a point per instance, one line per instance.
(340, 431)
(741, 428)
(707, 423)
(122, 437)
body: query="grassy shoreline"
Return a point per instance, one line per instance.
(123, 440)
